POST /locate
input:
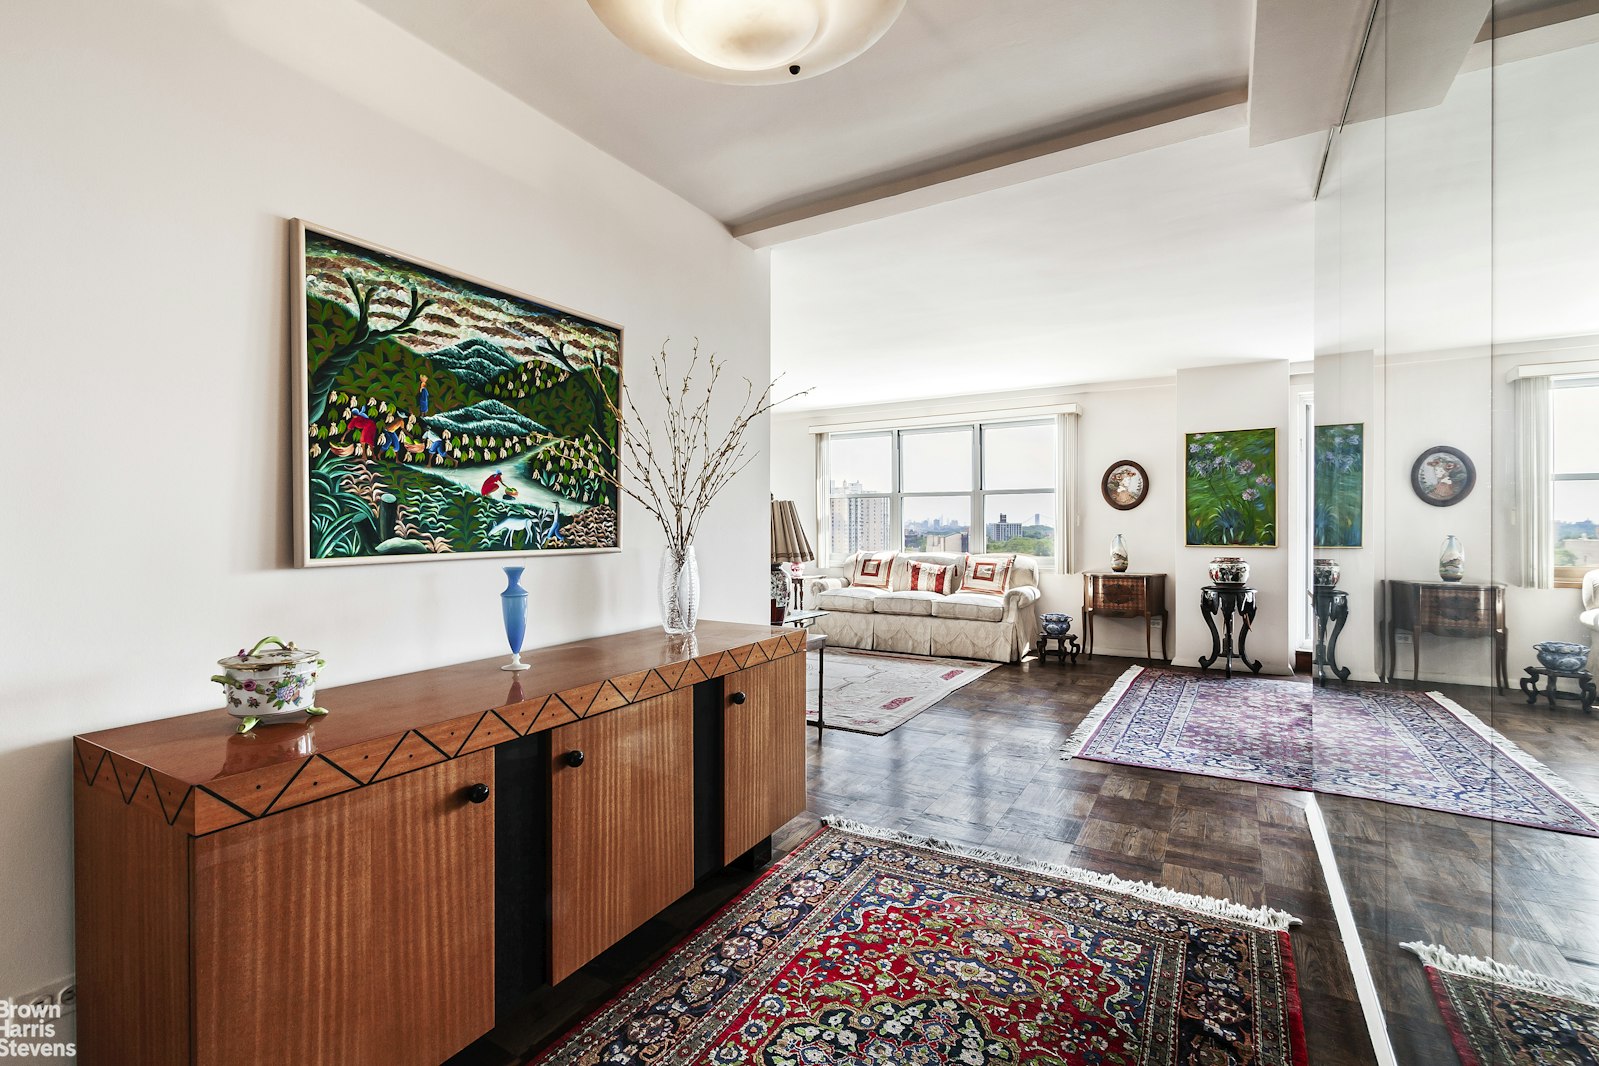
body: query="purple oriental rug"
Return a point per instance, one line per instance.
(1417, 749)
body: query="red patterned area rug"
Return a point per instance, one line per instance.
(1502, 1015)
(1418, 749)
(865, 947)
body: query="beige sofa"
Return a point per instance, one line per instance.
(961, 625)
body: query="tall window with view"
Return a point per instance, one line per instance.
(860, 483)
(1574, 428)
(1019, 489)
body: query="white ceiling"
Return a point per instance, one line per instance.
(1191, 254)
(950, 81)
(1194, 254)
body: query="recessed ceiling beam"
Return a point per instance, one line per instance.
(1303, 60)
(1201, 117)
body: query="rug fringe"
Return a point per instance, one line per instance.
(1263, 917)
(1584, 803)
(1089, 726)
(1488, 970)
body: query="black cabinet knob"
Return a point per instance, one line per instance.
(574, 758)
(478, 792)
(738, 697)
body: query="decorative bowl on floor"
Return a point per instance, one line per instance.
(1563, 657)
(1228, 570)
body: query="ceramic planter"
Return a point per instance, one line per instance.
(1229, 570)
(1326, 573)
(275, 685)
(1562, 656)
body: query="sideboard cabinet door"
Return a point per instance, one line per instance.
(621, 824)
(763, 751)
(358, 929)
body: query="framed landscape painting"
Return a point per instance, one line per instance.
(1340, 470)
(443, 417)
(1230, 493)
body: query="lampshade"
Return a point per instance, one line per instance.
(749, 42)
(789, 542)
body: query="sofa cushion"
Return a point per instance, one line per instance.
(916, 603)
(971, 607)
(851, 600)
(873, 569)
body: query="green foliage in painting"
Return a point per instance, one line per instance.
(342, 522)
(1231, 496)
(1340, 483)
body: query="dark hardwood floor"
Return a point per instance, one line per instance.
(983, 768)
(1527, 897)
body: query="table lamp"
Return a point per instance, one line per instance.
(789, 545)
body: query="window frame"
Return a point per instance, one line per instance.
(1567, 577)
(977, 494)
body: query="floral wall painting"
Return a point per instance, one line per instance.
(445, 417)
(1340, 472)
(1231, 488)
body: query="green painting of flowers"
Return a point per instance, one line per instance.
(1232, 487)
(1340, 483)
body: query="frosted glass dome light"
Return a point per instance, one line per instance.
(749, 42)
(748, 34)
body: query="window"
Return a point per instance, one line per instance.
(985, 486)
(1574, 494)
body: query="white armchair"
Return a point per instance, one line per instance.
(1590, 617)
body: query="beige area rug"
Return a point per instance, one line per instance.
(877, 692)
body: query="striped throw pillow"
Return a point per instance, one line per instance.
(930, 577)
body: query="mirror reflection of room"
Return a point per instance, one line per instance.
(1458, 336)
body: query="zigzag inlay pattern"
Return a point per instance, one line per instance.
(232, 800)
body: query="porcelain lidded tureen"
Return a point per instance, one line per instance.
(270, 686)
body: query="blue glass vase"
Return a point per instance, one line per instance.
(513, 605)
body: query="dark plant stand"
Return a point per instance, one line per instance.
(1332, 611)
(1065, 644)
(1229, 601)
(1585, 686)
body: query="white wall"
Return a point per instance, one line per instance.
(1248, 396)
(152, 151)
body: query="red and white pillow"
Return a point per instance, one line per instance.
(873, 570)
(988, 574)
(930, 577)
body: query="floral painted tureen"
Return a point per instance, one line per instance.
(270, 686)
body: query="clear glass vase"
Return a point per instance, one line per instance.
(680, 590)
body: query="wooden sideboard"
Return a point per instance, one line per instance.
(1124, 595)
(366, 887)
(1445, 609)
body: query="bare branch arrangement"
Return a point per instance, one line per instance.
(677, 469)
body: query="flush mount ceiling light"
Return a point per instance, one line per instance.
(749, 42)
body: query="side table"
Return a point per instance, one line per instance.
(1585, 686)
(1124, 595)
(1229, 601)
(1332, 611)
